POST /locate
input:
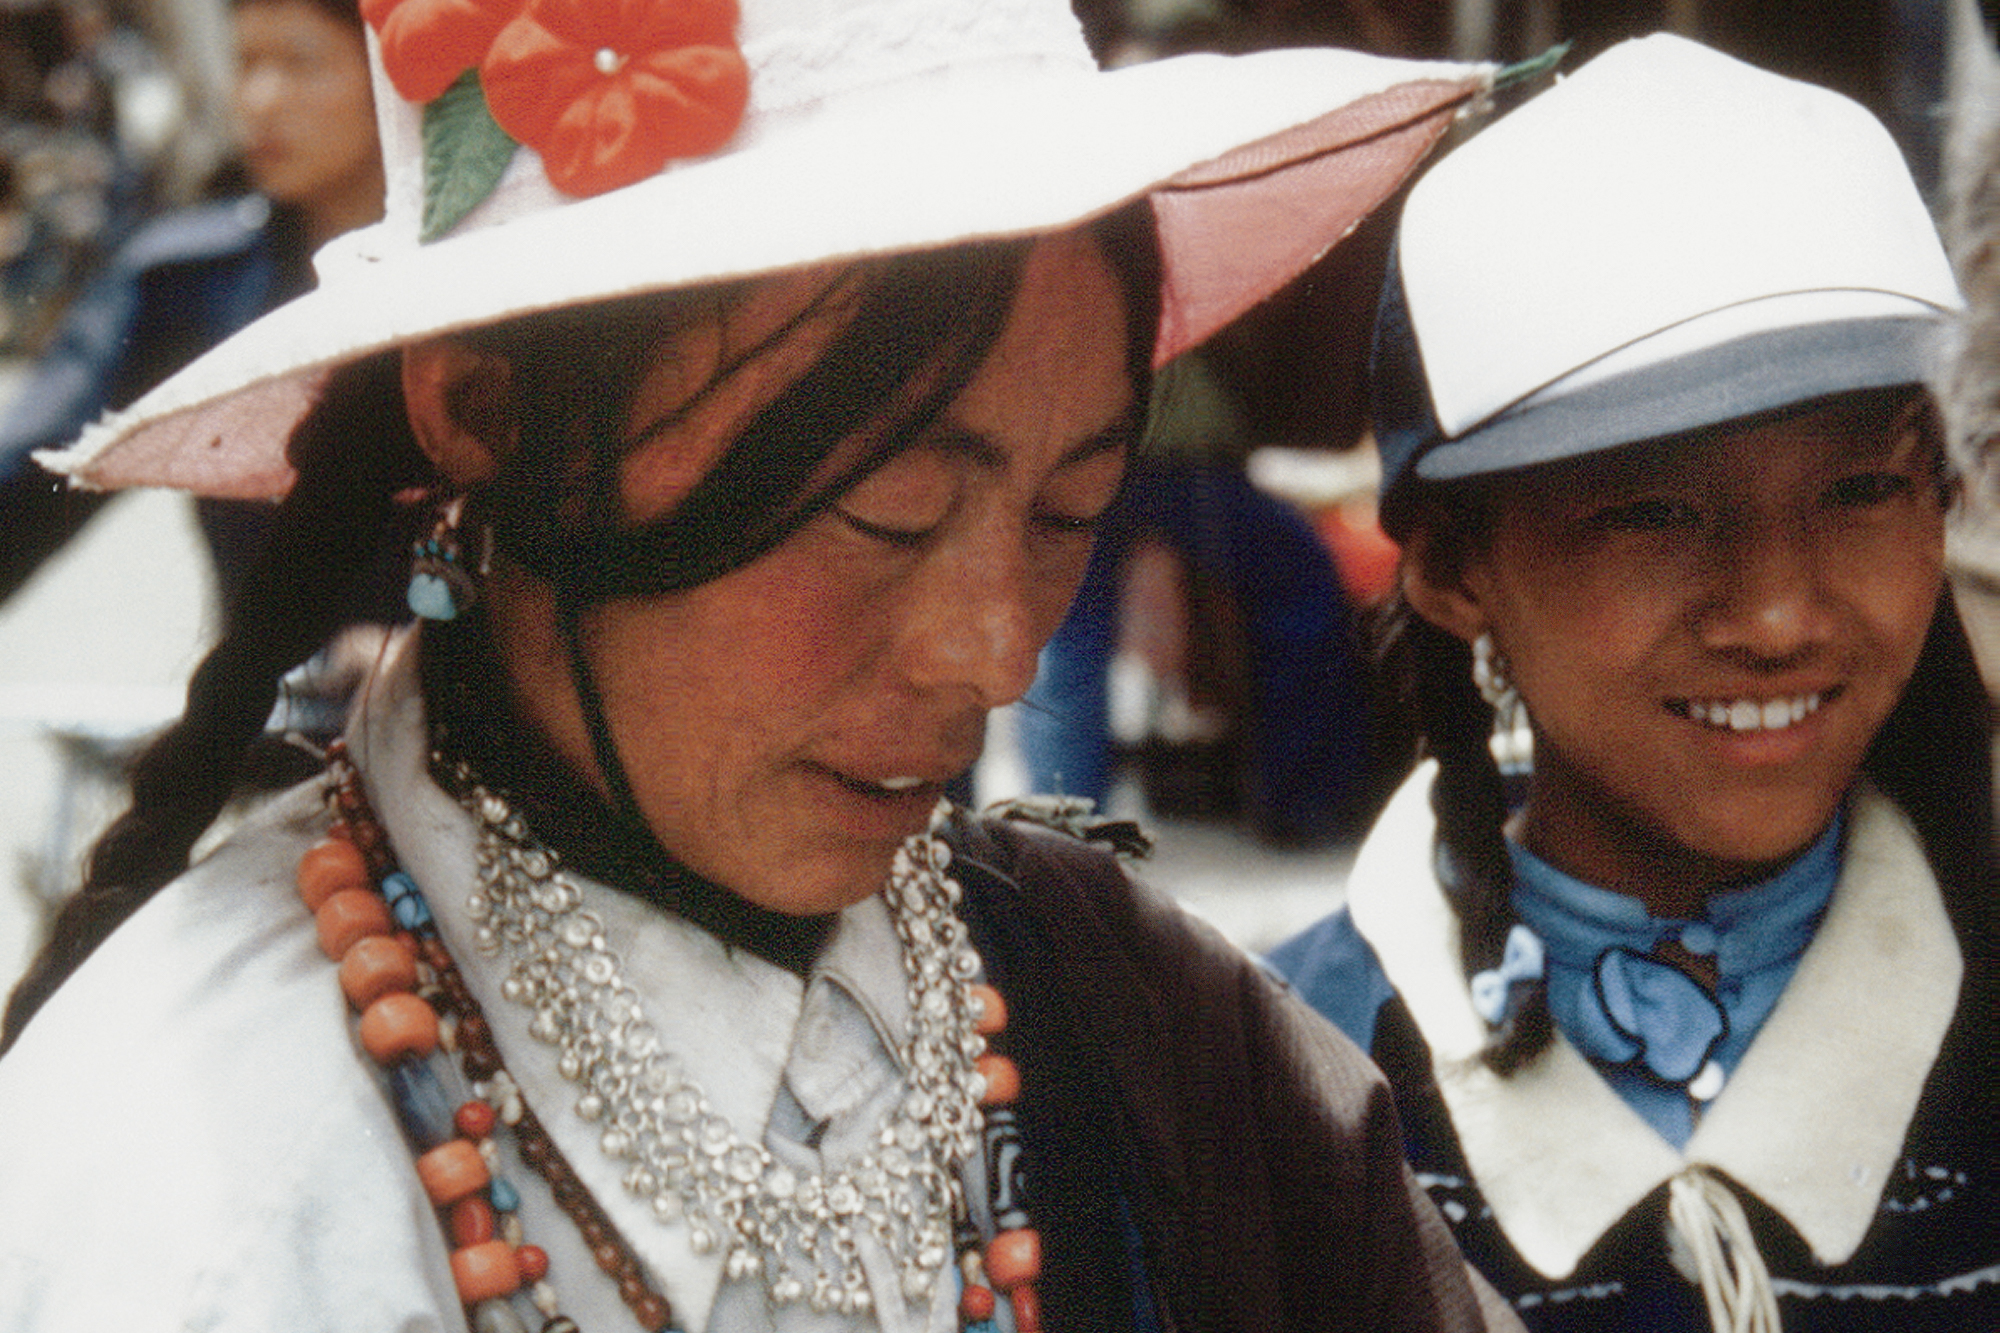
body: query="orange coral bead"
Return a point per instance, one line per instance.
(474, 1119)
(329, 866)
(452, 1171)
(1014, 1257)
(975, 1303)
(473, 1221)
(397, 1025)
(350, 915)
(1027, 1309)
(374, 966)
(485, 1272)
(1003, 1080)
(992, 1009)
(532, 1262)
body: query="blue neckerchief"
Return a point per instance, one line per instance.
(1650, 1028)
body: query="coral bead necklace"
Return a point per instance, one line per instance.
(798, 1233)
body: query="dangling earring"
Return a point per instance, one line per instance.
(440, 585)
(1489, 674)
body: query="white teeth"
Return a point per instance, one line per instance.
(1753, 715)
(900, 784)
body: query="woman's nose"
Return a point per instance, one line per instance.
(977, 624)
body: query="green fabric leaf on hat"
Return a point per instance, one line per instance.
(465, 153)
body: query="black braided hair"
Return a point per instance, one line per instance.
(1469, 798)
(353, 454)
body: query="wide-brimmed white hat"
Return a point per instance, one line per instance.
(871, 127)
(1666, 240)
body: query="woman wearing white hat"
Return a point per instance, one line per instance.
(763, 380)
(1691, 1018)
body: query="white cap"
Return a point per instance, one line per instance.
(1666, 240)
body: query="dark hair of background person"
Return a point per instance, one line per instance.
(1932, 757)
(346, 11)
(552, 508)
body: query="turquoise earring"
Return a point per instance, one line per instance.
(441, 588)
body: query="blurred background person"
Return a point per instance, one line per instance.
(1218, 607)
(309, 170)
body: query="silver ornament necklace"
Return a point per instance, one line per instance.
(799, 1232)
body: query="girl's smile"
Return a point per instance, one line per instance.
(1707, 633)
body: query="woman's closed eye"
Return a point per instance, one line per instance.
(903, 502)
(1065, 525)
(907, 538)
(1077, 497)
(1069, 525)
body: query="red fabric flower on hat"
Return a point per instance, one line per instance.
(608, 91)
(426, 44)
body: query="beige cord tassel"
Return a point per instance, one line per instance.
(1714, 1236)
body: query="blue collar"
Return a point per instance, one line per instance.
(1761, 925)
(1659, 1035)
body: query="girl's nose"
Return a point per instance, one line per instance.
(1771, 600)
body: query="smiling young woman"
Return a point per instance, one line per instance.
(1709, 631)
(1690, 1012)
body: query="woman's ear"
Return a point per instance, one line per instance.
(1435, 583)
(461, 405)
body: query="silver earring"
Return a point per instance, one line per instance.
(1489, 674)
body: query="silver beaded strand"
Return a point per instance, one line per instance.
(799, 1232)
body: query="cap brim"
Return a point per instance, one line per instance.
(1744, 377)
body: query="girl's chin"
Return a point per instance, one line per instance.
(1743, 853)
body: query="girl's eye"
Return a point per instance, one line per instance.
(1653, 514)
(1867, 489)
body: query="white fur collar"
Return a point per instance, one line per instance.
(1811, 1123)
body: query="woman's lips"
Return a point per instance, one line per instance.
(911, 794)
